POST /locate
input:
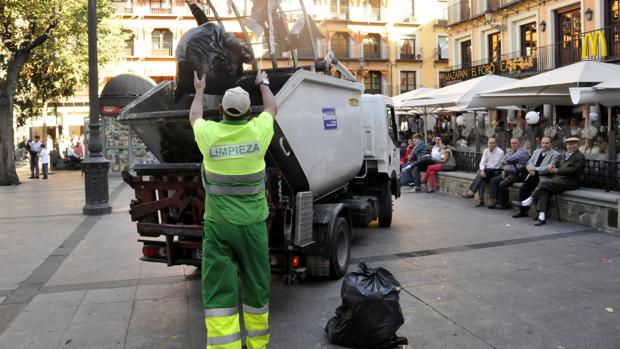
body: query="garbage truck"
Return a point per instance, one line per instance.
(333, 163)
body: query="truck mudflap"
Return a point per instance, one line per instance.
(329, 255)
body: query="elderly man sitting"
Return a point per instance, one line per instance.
(490, 166)
(565, 177)
(514, 171)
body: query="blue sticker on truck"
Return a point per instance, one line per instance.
(330, 122)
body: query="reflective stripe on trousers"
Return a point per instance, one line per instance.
(223, 331)
(256, 322)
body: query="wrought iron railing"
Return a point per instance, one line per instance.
(122, 6)
(598, 174)
(163, 49)
(338, 12)
(377, 52)
(160, 7)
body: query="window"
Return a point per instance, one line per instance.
(128, 45)
(372, 10)
(441, 77)
(372, 82)
(528, 39)
(442, 48)
(391, 125)
(339, 8)
(569, 35)
(160, 6)
(407, 48)
(612, 34)
(466, 53)
(340, 45)
(407, 81)
(372, 46)
(494, 47)
(407, 9)
(161, 43)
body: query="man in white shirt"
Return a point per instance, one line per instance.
(489, 167)
(34, 148)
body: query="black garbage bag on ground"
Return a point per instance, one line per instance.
(211, 50)
(370, 313)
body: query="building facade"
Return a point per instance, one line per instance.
(518, 38)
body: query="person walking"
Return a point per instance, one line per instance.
(34, 148)
(235, 244)
(45, 160)
(565, 177)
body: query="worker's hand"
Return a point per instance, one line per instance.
(199, 83)
(483, 174)
(503, 174)
(532, 172)
(260, 76)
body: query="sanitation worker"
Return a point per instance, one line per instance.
(235, 250)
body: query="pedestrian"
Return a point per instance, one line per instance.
(34, 148)
(235, 244)
(514, 171)
(45, 160)
(21, 149)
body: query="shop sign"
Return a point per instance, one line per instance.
(591, 41)
(505, 66)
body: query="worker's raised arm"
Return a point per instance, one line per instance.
(195, 112)
(269, 102)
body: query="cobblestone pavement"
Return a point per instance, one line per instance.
(472, 277)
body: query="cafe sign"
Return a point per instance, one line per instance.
(503, 67)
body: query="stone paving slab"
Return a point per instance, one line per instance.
(542, 293)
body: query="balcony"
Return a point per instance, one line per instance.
(338, 12)
(344, 52)
(122, 7)
(375, 52)
(127, 51)
(412, 55)
(497, 4)
(163, 49)
(465, 10)
(160, 8)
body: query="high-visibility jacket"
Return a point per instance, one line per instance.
(234, 168)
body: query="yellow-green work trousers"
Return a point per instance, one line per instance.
(233, 253)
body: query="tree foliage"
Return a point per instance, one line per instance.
(60, 64)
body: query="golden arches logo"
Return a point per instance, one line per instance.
(592, 40)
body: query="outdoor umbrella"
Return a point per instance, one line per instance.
(399, 99)
(606, 93)
(551, 87)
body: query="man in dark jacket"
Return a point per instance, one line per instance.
(565, 177)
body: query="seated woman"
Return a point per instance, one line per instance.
(447, 163)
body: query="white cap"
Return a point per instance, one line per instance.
(236, 101)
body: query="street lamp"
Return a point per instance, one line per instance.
(95, 166)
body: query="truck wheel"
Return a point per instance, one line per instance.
(385, 207)
(339, 249)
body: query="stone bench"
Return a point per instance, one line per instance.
(590, 207)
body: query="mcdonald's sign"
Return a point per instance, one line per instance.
(596, 42)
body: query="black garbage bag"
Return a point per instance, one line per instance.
(370, 313)
(209, 49)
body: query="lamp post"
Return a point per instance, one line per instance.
(95, 166)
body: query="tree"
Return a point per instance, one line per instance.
(43, 58)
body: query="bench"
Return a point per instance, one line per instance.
(590, 207)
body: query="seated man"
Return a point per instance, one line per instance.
(424, 161)
(514, 171)
(565, 177)
(537, 171)
(489, 167)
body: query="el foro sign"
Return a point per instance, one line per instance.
(504, 66)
